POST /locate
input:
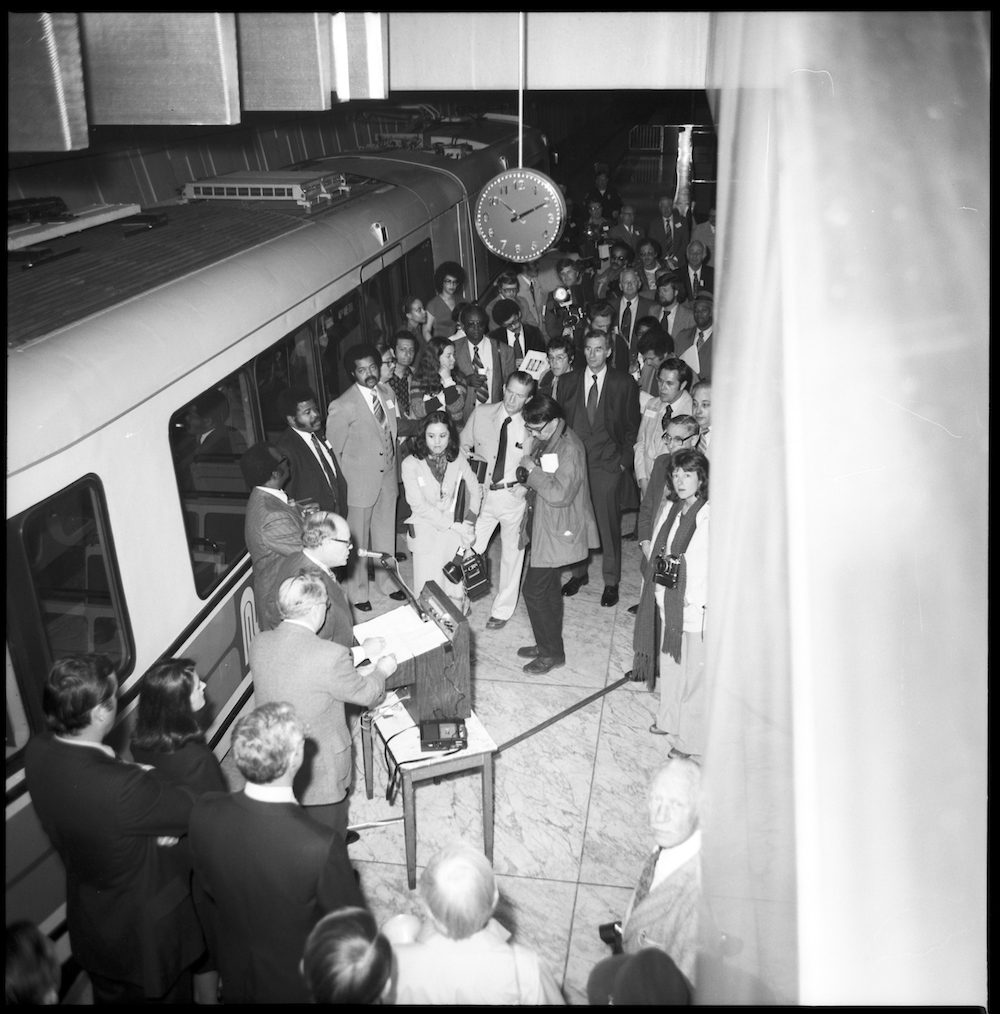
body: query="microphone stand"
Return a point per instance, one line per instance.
(391, 564)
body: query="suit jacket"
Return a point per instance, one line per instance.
(633, 238)
(339, 623)
(553, 317)
(683, 319)
(531, 295)
(503, 367)
(308, 480)
(684, 343)
(644, 308)
(678, 248)
(707, 281)
(620, 407)
(531, 338)
(273, 530)
(360, 443)
(128, 907)
(270, 873)
(667, 917)
(317, 677)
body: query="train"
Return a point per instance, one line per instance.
(119, 336)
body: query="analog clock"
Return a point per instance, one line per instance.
(520, 214)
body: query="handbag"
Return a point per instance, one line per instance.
(475, 566)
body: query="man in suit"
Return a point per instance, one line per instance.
(630, 308)
(131, 920)
(694, 345)
(206, 435)
(674, 316)
(664, 909)
(530, 294)
(626, 230)
(669, 230)
(508, 287)
(697, 275)
(602, 408)
(561, 355)
(495, 433)
(273, 526)
(268, 871)
(486, 364)
(513, 332)
(361, 428)
(705, 233)
(326, 547)
(316, 474)
(317, 677)
(602, 318)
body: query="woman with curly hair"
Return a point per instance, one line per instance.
(437, 386)
(449, 280)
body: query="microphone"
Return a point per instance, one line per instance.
(371, 554)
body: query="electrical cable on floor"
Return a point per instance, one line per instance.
(562, 714)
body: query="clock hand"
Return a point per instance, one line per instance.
(524, 214)
(507, 206)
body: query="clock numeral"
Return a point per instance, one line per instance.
(503, 190)
(486, 217)
(517, 248)
(534, 245)
(520, 185)
(503, 244)
(552, 218)
(494, 202)
(545, 235)
(489, 232)
(536, 191)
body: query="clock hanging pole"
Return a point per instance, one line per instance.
(520, 88)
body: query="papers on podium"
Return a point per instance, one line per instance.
(405, 634)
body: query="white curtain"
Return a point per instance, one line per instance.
(845, 770)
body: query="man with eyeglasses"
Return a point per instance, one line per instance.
(273, 525)
(674, 380)
(317, 677)
(627, 230)
(606, 281)
(513, 332)
(326, 548)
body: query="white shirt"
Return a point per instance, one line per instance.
(270, 793)
(486, 357)
(307, 439)
(515, 446)
(690, 355)
(672, 859)
(369, 396)
(589, 375)
(634, 303)
(279, 493)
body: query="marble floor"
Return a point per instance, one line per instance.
(571, 829)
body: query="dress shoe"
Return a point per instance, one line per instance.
(657, 731)
(495, 624)
(574, 584)
(352, 837)
(400, 556)
(529, 651)
(632, 678)
(610, 596)
(398, 596)
(544, 664)
(634, 609)
(363, 607)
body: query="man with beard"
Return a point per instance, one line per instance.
(316, 472)
(674, 317)
(361, 428)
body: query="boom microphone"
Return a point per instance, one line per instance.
(371, 554)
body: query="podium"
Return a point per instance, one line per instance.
(437, 680)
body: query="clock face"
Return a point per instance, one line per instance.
(520, 214)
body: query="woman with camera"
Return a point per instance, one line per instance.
(673, 535)
(437, 386)
(432, 476)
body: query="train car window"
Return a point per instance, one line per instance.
(338, 327)
(17, 727)
(290, 363)
(207, 438)
(384, 303)
(419, 266)
(64, 592)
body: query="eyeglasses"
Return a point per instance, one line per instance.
(619, 260)
(389, 361)
(536, 431)
(346, 542)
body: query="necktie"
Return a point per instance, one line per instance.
(500, 467)
(592, 400)
(481, 392)
(518, 349)
(627, 322)
(331, 475)
(555, 385)
(381, 420)
(667, 415)
(695, 283)
(701, 339)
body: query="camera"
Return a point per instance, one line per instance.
(667, 570)
(453, 568)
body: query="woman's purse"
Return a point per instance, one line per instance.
(475, 567)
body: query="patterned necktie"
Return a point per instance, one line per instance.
(518, 348)
(500, 467)
(695, 283)
(381, 420)
(482, 393)
(627, 322)
(331, 475)
(592, 400)
(701, 339)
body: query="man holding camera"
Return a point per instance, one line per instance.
(564, 310)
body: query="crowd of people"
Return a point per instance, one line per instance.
(579, 407)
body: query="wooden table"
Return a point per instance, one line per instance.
(402, 738)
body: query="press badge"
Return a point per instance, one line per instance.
(549, 462)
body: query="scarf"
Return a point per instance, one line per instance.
(644, 639)
(438, 464)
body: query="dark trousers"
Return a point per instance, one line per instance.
(113, 991)
(333, 815)
(542, 592)
(605, 495)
